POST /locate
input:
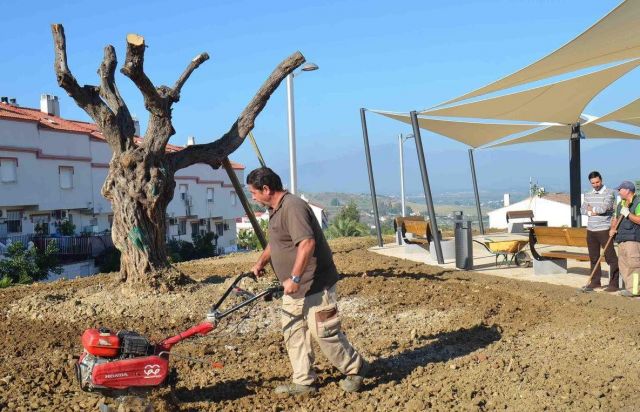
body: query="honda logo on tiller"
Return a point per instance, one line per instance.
(151, 371)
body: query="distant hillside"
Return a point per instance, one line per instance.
(498, 170)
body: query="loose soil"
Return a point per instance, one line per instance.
(435, 339)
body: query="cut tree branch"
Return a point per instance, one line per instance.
(195, 63)
(214, 153)
(87, 97)
(110, 94)
(134, 69)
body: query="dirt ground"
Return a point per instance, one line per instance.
(436, 339)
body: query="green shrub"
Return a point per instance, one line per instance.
(247, 238)
(181, 250)
(345, 227)
(24, 266)
(109, 260)
(66, 228)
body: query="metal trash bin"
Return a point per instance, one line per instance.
(463, 240)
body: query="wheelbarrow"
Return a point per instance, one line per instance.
(507, 252)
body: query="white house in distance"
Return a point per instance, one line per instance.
(52, 169)
(554, 208)
(243, 223)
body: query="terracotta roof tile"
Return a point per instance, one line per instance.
(558, 197)
(11, 112)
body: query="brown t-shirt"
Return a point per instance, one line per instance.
(289, 223)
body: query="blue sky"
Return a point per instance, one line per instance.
(376, 54)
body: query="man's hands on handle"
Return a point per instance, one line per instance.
(258, 270)
(625, 211)
(290, 286)
(263, 260)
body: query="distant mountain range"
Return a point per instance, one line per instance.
(498, 170)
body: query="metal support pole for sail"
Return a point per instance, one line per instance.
(256, 149)
(402, 202)
(427, 188)
(245, 203)
(574, 175)
(475, 190)
(372, 185)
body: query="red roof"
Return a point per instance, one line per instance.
(11, 112)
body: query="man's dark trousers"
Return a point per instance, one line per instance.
(595, 242)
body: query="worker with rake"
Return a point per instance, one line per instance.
(599, 205)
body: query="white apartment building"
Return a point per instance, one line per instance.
(52, 169)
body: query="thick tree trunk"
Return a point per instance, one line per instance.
(140, 187)
(140, 182)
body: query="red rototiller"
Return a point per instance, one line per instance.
(114, 363)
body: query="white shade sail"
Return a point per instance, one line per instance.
(613, 38)
(560, 102)
(635, 121)
(563, 132)
(629, 113)
(473, 134)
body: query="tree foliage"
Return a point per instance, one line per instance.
(202, 247)
(349, 212)
(247, 238)
(346, 227)
(66, 228)
(26, 265)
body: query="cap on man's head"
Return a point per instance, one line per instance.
(627, 185)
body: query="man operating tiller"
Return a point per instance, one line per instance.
(303, 263)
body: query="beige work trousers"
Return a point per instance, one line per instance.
(316, 315)
(629, 261)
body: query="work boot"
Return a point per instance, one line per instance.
(353, 383)
(290, 389)
(626, 293)
(611, 288)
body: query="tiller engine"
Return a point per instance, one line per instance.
(119, 361)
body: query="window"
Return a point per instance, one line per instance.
(183, 191)
(210, 194)
(220, 229)
(14, 221)
(234, 198)
(195, 227)
(182, 227)
(66, 177)
(8, 169)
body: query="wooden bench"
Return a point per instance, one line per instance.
(417, 226)
(525, 220)
(558, 236)
(520, 214)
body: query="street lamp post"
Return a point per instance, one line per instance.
(401, 140)
(292, 124)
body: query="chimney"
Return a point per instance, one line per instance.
(49, 104)
(507, 199)
(136, 125)
(13, 101)
(4, 99)
(191, 141)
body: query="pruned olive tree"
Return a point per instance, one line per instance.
(140, 182)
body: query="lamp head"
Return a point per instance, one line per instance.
(309, 67)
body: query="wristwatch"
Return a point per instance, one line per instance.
(295, 279)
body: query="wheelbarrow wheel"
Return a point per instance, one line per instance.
(522, 259)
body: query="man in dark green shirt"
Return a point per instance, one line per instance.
(303, 263)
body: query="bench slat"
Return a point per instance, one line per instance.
(561, 254)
